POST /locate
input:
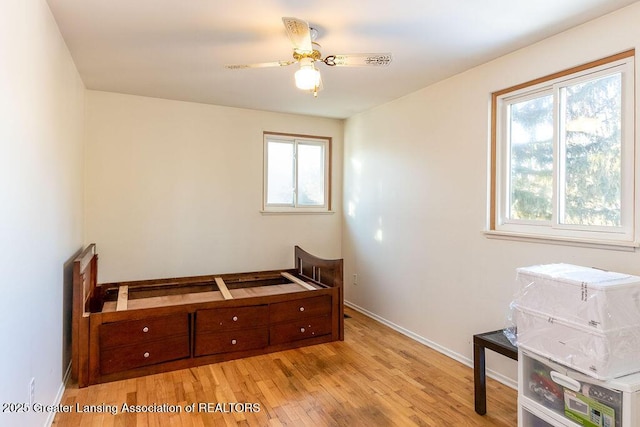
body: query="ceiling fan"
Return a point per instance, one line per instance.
(306, 52)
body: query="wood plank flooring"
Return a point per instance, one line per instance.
(376, 377)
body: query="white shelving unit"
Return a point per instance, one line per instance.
(551, 394)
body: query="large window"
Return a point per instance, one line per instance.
(296, 173)
(563, 155)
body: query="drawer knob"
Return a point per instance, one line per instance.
(233, 342)
(301, 308)
(235, 318)
(146, 354)
(145, 329)
(302, 329)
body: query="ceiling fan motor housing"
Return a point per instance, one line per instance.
(315, 55)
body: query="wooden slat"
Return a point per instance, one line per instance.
(294, 279)
(123, 298)
(223, 288)
(261, 291)
(86, 290)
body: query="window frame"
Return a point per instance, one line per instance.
(499, 223)
(297, 139)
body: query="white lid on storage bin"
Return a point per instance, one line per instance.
(579, 275)
(591, 297)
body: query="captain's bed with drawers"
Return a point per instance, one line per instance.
(128, 329)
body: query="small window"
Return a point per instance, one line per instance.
(296, 173)
(563, 152)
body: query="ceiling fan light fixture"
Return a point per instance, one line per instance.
(308, 76)
(306, 52)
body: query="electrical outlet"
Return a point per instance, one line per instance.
(355, 279)
(32, 391)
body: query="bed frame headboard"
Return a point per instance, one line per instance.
(85, 275)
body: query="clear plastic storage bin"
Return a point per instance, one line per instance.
(601, 300)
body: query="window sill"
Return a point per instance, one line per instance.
(551, 240)
(296, 212)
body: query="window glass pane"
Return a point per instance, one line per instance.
(592, 149)
(310, 175)
(280, 173)
(531, 159)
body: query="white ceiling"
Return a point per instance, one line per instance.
(177, 49)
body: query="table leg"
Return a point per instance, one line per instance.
(479, 379)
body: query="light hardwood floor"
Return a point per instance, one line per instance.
(376, 377)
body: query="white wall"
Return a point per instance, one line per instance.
(415, 196)
(175, 188)
(41, 213)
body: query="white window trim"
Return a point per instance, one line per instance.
(499, 226)
(295, 208)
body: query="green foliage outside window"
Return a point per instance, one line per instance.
(588, 124)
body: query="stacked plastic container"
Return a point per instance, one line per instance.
(584, 318)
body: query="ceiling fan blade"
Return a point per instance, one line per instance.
(299, 34)
(260, 65)
(359, 60)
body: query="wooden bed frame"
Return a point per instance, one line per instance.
(128, 329)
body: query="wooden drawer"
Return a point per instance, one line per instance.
(299, 330)
(225, 342)
(225, 319)
(300, 309)
(138, 331)
(134, 356)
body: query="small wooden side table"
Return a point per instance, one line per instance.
(498, 342)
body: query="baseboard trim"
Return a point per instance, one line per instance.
(58, 398)
(437, 347)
